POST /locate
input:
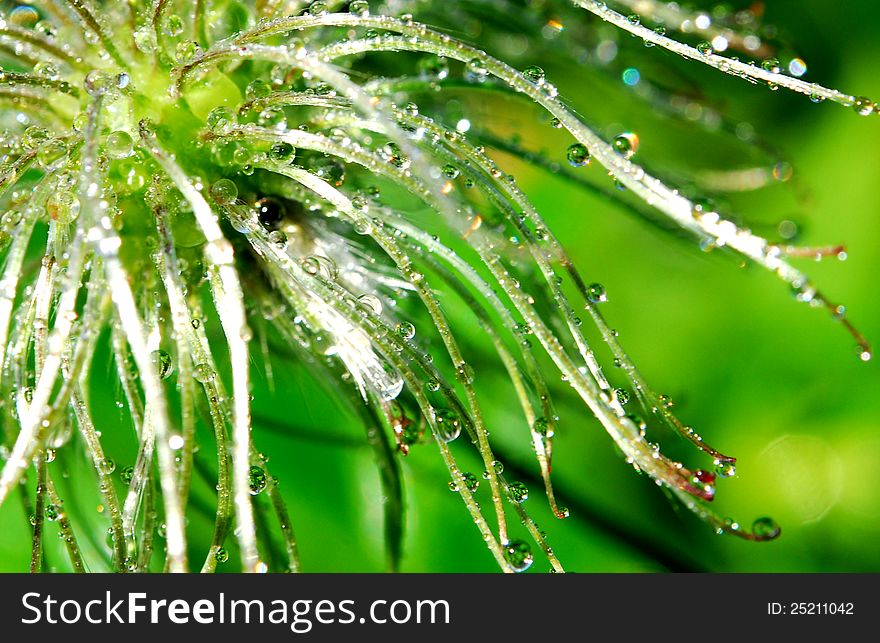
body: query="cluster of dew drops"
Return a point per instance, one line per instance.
(626, 144)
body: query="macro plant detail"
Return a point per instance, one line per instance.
(193, 187)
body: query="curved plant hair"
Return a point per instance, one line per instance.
(177, 172)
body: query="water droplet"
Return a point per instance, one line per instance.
(134, 177)
(126, 474)
(220, 120)
(864, 106)
(243, 155)
(272, 118)
(359, 8)
(118, 144)
(578, 155)
(51, 151)
(143, 39)
(765, 528)
(518, 555)
(186, 51)
(596, 293)
(278, 238)
(391, 153)
(318, 8)
(318, 264)
(371, 302)
(63, 207)
(282, 151)
(311, 265)
(24, 16)
(541, 426)
(725, 469)
(771, 65)
(450, 171)
(622, 395)
(331, 170)
(519, 492)
(470, 481)
(406, 330)
(174, 25)
(257, 480)
(626, 144)
(705, 48)
(80, 121)
(34, 136)
(162, 362)
(47, 70)
(359, 202)
(107, 466)
(224, 191)
(448, 424)
(257, 88)
(53, 512)
(534, 75)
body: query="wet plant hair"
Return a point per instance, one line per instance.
(190, 186)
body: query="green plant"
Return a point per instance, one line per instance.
(183, 171)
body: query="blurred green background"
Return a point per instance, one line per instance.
(761, 376)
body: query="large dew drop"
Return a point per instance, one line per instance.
(162, 361)
(626, 144)
(519, 492)
(118, 144)
(448, 424)
(518, 555)
(360, 8)
(534, 75)
(765, 528)
(257, 480)
(224, 191)
(578, 155)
